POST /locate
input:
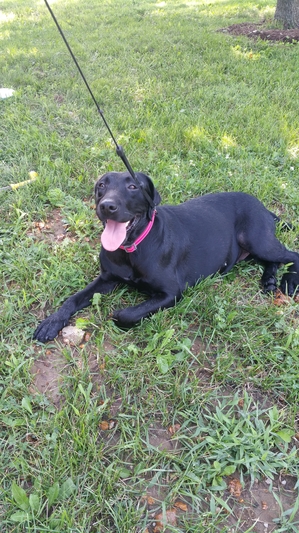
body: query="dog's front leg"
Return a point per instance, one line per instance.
(128, 317)
(49, 328)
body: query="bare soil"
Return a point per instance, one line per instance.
(258, 31)
(54, 229)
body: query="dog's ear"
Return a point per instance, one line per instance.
(149, 187)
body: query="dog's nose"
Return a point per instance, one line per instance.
(108, 207)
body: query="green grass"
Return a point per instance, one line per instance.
(199, 111)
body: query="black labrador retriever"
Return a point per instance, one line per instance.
(162, 251)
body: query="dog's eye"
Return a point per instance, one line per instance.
(132, 187)
(101, 185)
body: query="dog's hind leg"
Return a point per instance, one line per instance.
(273, 253)
(260, 241)
(269, 281)
(290, 280)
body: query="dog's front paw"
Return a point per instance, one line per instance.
(49, 328)
(290, 284)
(123, 319)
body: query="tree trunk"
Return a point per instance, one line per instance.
(287, 12)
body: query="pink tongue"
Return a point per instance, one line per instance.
(113, 235)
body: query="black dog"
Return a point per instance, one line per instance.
(163, 251)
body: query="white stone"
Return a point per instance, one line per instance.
(72, 335)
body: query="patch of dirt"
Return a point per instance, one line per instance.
(49, 370)
(258, 31)
(259, 505)
(255, 507)
(47, 374)
(159, 437)
(54, 229)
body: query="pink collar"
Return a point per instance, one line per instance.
(148, 228)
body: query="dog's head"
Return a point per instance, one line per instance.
(121, 203)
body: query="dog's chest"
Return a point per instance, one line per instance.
(138, 281)
(123, 266)
(136, 278)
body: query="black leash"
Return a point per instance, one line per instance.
(119, 149)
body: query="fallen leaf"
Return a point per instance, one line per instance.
(235, 488)
(181, 505)
(264, 505)
(173, 429)
(148, 499)
(112, 423)
(163, 519)
(39, 225)
(104, 425)
(280, 298)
